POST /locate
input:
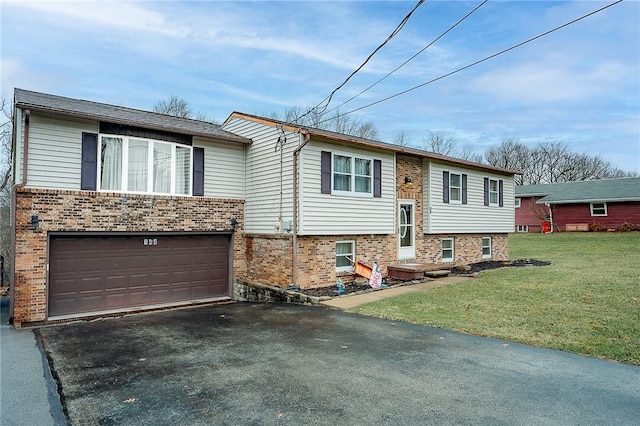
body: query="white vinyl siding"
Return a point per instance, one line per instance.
(262, 188)
(473, 217)
(55, 151)
(330, 214)
(223, 168)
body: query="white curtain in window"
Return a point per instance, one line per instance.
(183, 170)
(363, 175)
(341, 173)
(161, 168)
(138, 165)
(111, 164)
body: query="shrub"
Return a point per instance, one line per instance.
(626, 227)
(598, 227)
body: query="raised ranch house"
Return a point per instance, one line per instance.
(117, 209)
(579, 206)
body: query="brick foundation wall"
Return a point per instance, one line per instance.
(86, 211)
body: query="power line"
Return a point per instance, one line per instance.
(412, 57)
(395, 32)
(480, 61)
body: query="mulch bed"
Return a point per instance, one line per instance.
(473, 268)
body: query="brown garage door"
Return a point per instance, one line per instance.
(103, 273)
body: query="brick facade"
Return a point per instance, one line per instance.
(73, 211)
(269, 258)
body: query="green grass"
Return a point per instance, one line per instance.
(587, 302)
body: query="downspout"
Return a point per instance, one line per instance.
(294, 255)
(14, 198)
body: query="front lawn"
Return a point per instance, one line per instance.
(587, 302)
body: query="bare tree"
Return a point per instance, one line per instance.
(336, 123)
(401, 139)
(178, 107)
(440, 144)
(550, 161)
(6, 133)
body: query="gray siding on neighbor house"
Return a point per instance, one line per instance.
(264, 203)
(473, 217)
(327, 214)
(224, 173)
(55, 151)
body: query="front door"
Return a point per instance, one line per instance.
(406, 229)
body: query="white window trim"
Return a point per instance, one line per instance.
(486, 256)
(352, 255)
(453, 252)
(451, 200)
(125, 166)
(523, 228)
(599, 214)
(496, 192)
(353, 192)
(517, 202)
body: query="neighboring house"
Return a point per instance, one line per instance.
(117, 209)
(572, 206)
(315, 200)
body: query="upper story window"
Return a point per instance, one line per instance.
(351, 174)
(343, 174)
(493, 192)
(598, 209)
(454, 187)
(130, 164)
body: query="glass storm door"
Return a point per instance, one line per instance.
(406, 230)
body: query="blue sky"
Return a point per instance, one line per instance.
(579, 86)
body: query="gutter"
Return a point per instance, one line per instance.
(294, 254)
(14, 197)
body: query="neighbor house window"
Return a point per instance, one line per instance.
(345, 254)
(523, 228)
(352, 174)
(447, 250)
(598, 209)
(131, 164)
(486, 247)
(516, 203)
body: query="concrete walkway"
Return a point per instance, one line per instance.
(350, 301)
(28, 394)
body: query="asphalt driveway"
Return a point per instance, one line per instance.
(274, 364)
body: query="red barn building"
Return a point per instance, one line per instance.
(579, 206)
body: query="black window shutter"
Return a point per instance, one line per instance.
(445, 186)
(486, 191)
(377, 178)
(500, 193)
(89, 168)
(198, 172)
(325, 172)
(464, 188)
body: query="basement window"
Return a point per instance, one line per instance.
(345, 250)
(486, 247)
(447, 250)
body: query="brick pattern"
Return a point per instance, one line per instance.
(72, 211)
(269, 264)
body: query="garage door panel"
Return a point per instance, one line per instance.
(92, 274)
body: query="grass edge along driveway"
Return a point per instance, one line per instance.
(587, 302)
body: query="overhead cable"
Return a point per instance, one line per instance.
(395, 32)
(411, 58)
(480, 61)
